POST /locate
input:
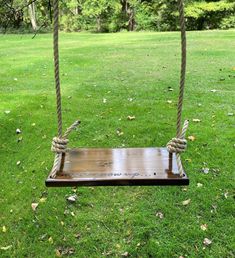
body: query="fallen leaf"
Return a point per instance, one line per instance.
(104, 100)
(15, 79)
(131, 118)
(159, 214)
(20, 139)
(214, 208)
(186, 202)
(78, 235)
(199, 104)
(196, 120)
(213, 90)
(169, 101)
(204, 227)
(4, 229)
(130, 99)
(67, 251)
(18, 162)
(170, 89)
(205, 170)
(62, 223)
(119, 132)
(72, 213)
(192, 138)
(199, 185)
(34, 206)
(226, 195)
(125, 254)
(43, 199)
(4, 248)
(207, 241)
(58, 253)
(7, 111)
(18, 131)
(50, 240)
(72, 198)
(230, 114)
(233, 68)
(33, 124)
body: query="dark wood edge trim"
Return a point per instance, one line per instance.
(51, 182)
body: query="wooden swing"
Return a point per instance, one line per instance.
(118, 166)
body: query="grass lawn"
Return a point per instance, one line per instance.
(132, 72)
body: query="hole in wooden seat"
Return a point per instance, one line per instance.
(120, 166)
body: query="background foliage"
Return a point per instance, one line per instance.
(117, 15)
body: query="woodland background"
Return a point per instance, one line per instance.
(115, 15)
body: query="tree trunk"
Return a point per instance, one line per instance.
(32, 15)
(131, 22)
(98, 24)
(129, 13)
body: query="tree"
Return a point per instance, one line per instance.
(32, 15)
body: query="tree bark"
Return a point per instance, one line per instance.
(98, 24)
(32, 15)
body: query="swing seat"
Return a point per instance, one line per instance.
(117, 167)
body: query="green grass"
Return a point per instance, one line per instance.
(115, 220)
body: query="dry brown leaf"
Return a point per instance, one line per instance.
(207, 241)
(192, 138)
(204, 227)
(131, 118)
(50, 240)
(43, 199)
(72, 198)
(199, 185)
(18, 131)
(34, 206)
(186, 202)
(4, 248)
(4, 229)
(125, 254)
(205, 170)
(119, 132)
(196, 120)
(58, 253)
(159, 214)
(78, 235)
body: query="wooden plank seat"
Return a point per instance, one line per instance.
(118, 166)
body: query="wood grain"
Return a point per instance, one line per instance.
(120, 166)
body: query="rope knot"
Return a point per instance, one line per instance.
(59, 145)
(177, 145)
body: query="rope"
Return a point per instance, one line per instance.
(179, 144)
(59, 143)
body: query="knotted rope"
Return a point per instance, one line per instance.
(179, 143)
(59, 143)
